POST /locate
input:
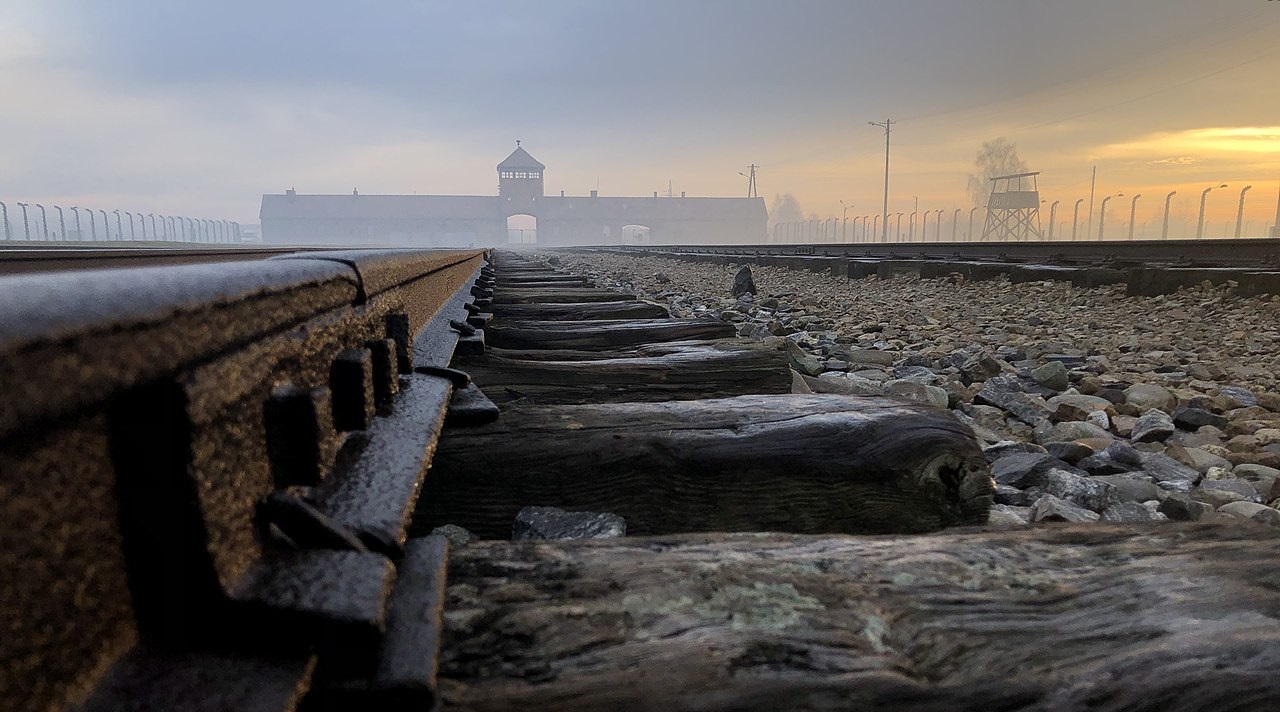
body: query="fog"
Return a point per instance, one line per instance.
(199, 110)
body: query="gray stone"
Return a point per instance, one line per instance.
(1163, 468)
(1181, 508)
(1260, 513)
(1085, 404)
(1003, 514)
(1148, 396)
(916, 392)
(457, 536)
(1244, 490)
(1132, 489)
(872, 356)
(1152, 426)
(1003, 448)
(1242, 397)
(743, 282)
(1079, 490)
(1215, 497)
(552, 523)
(1004, 392)
(803, 362)
(1052, 375)
(1024, 470)
(1196, 458)
(1195, 418)
(1071, 452)
(1012, 496)
(1072, 430)
(1128, 512)
(1052, 509)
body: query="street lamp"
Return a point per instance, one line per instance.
(972, 210)
(1075, 219)
(1133, 209)
(106, 226)
(1102, 221)
(955, 225)
(44, 222)
(62, 223)
(924, 226)
(1204, 195)
(897, 230)
(1240, 210)
(133, 234)
(875, 226)
(911, 226)
(8, 234)
(79, 231)
(1164, 231)
(26, 225)
(119, 225)
(1053, 215)
(844, 219)
(937, 229)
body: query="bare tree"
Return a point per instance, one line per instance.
(785, 208)
(996, 158)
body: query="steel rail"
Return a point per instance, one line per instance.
(1196, 253)
(58, 258)
(207, 476)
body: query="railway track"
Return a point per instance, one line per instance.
(223, 485)
(1239, 252)
(54, 257)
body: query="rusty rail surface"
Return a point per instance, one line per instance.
(206, 473)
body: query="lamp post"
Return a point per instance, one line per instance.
(106, 226)
(119, 225)
(897, 230)
(1240, 210)
(844, 219)
(955, 225)
(972, 210)
(155, 234)
(1075, 219)
(44, 222)
(875, 226)
(79, 231)
(62, 223)
(1164, 231)
(133, 234)
(1133, 209)
(937, 229)
(26, 225)
(1204, 195)
(911, 226)
(4, 209)
(1102, 221)
(235, 231)
(1053, 215)
(924, 226)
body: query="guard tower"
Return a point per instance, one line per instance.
(1013, 211)
(520, 183)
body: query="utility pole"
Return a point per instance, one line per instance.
(1275, 226)
(1088, 234)
(887, 126)
(1240, 211)
(751, 180)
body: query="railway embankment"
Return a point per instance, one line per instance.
(1092, 403)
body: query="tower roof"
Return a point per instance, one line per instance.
(520, 158)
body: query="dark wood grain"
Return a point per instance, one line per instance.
(754, 463)
(1106, 618)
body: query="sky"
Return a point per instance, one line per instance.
(198, 108)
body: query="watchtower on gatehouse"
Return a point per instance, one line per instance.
(520, 182)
